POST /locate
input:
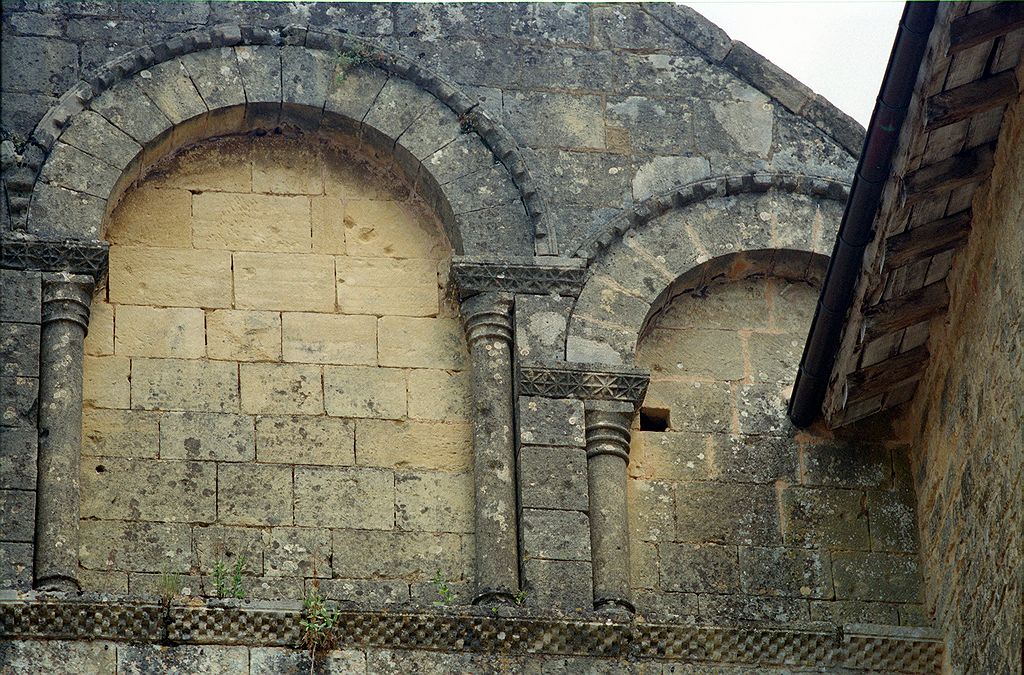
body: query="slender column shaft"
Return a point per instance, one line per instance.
(65, 319)
(488, 325)
(607, 456)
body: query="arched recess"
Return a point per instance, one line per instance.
(737, 226)
(104, 134)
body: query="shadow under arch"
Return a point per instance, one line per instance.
(106, 134)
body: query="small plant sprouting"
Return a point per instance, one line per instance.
(169, 585)
(229, 588)
(343, 61)
(444, 591)
(520, 598)
(318, 623)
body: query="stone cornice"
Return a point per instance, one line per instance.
(467, 629)
(540, 276)
(76, 256)
(584, 381)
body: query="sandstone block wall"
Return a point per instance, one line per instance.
(968, 430)
(735, 513)
(274, 373)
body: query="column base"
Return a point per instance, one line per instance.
(59, 584)
(613, 606)
(494, 597)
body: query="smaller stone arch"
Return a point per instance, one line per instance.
(104, 134)
(725, 226)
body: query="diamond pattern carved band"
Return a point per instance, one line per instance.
(69, 255)
(583, 382)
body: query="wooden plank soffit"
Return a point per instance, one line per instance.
(905, 310)
(984, 25)
(927, 240)
(970, 99)
(888, 374)
(970, 166)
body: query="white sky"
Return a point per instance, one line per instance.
(837, 48)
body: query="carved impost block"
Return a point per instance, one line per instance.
(76, 256)
(607, 427)
(66, 297)
(535, 276)
(488, 316)
(596, 382)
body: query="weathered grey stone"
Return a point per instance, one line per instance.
(486, 189)
(130, 110)
(161, 491)
(228, 545)
(669, 606)
(94, 134)
(434, 501)
(441, 593)
(302, 439)
(365, 592)
(344, 497)
(663, 174)
(748, 608)
(556, 120)
(215, 74)
(893, 523)
(17, 515)
(18, 458)
(551, 422)
(19, 349)
(149, 658)
(461, 157)
(413, 555)
(34, 64)
(842, 464)
(596, 179)
(755, 459)
(506, 228)
(152, 547)
(19, 396)
(259, 67)
(555, 535)
(564, 23)
(298, 552)
(59, 657)
(430, 22)
(745, 513)
(705, 354)
(207, 436)
(825, 517)
(700, 568)
(540, 325)
(785, 572)
(172, 90)
(255, 494)
(768, 77)
(762, 410)
(184, 384)
(558, 583)
(850, 611)
(652, 510)
(286, 661)
(553, 478)
(434, 128)
(16, 566)
(876, 576)
(69, 167)
(697, 407)
(20, 296)
(59, 212)
(693, 27)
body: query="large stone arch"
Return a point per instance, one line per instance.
(642, 260)
(105, 134)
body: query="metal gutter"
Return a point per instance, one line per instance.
(855, 230)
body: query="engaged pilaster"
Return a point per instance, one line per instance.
(488, 322)
(607, 428)
(65, 319)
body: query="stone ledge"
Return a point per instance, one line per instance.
(538, 275)
(469, 629)
(77, 256)
(583, 381)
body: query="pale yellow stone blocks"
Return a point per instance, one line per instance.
(389, 229)
(254, 494)
(386, 286)
(245, 222)
(439, 395)
(359, 391)
(105, 382)
(243, 335)
(305, 440)
(285, 165)
(99, 340)
(152, 217)
(207, 436)
(222, 165)
(412, 342)
(329, 338)
(328, 224)
(145, 489)
(179, 384)
(349, 176)
(284, 281)
(414, 445)
(345, 497)
(120, 433)
(170, 277)
(174, 332)
(434, 501)
(281, 388)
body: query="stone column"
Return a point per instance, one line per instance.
(65, 319)
(488, 323)
(607, 455)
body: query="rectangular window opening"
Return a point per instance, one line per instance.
(654, 419)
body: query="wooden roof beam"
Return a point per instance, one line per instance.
(927, 240)
(905, 310)
(970, 166)
(970, 99)
(886, 375)
(984, 25)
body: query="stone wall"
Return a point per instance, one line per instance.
(967, 428)
(274, 374)
(737, 515)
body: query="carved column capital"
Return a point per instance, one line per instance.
(607, 428)
(487, 316)
(67, 297)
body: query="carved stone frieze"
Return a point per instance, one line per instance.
(477, 274)
(70, 255)
(583, 381)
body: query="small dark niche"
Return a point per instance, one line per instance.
(654, 419)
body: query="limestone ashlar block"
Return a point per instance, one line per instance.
(243, 335)
(413, 342)
(106, 382)
(20, 296)
(853, 611)
(555, 534)
(129, 109)
(16, 565)
(254, 494)
(284, 281)
(337, 497)
(825, 517)
(546, 119)
(172, 90)
(893, 523)
(299, 552)
(99, 341)
(136, 546)
(503, 229)
(259, 66)
(329, 338)
(484, 190)
(59, 656)
(58, 213)
(396, 107)
(354, 89)
(207, 436)
(672, 455)
(752, 608)
(302, 439)
(372, 592)
(652, 511)
(213, 543)
(462, 157)
(221, 165)
(384, 228)
(755, 459)
(327, 213)
(564, 584)
(644, 567)
(792, 572)
(433, 129)
(877, 576)
(413, 555)
(172, 332)
(121, 433)
(434, 501)
(184, 659)
(251, 222)
(699, 568)
(94, 134)
(706, 354)
(540, 325)
(278, 169)
(414, 445)
(215, 74)
(149, 490)
(170, 277)
(17, 515)
(18, 454)
(439, 395)
(386, 286)
(306, 77)
(551, 422)
(361, 391)
(553, 478)
(840, 465)
(68, 167)
(19, 349)
(281, 388)
(699, 407)
(184, 384)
